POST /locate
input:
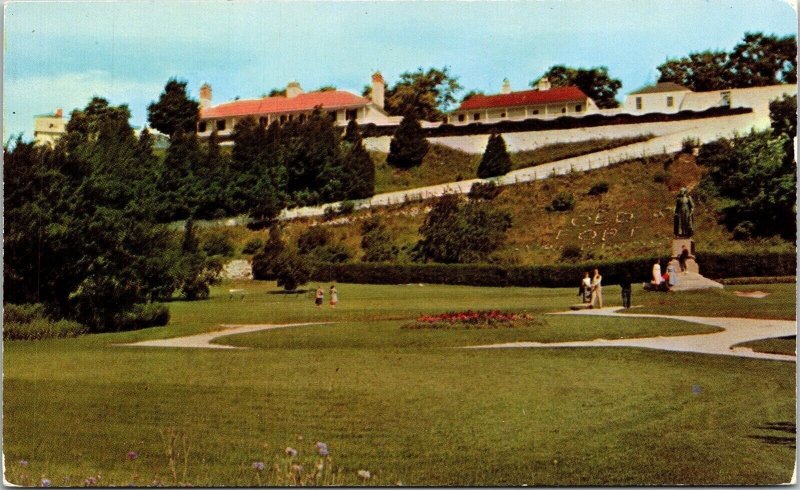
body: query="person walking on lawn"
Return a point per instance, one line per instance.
(625, 284)
(319, 297)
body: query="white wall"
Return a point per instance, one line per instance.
(655, 102)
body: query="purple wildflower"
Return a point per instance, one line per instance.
(322, 449)
(46, 482)
(258, 465)
(291, 452)
(697, 389)
(132, 455)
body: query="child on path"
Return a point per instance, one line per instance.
(334, 296)
(320, 296)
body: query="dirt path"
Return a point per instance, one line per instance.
(203, 340)
(736, 330)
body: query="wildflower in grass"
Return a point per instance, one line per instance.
(366, 475)
(291, 452)
(697, 389)
(90, 481)
(322, 449)
(46, 482)
(258, 465)
(132, 455)
(23, 462)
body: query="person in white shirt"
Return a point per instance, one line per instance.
(597, 290)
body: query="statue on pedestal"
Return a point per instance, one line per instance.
(683, 222)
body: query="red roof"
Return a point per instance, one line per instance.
(524, 97)
(330, 99)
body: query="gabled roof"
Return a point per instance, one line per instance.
(524, 97)
(661, 87)
(330, 99)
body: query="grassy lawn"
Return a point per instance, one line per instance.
(782, 345)
(400, 403)
(780, 304)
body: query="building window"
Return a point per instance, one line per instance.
(638, 103)
(462, 118)
(563, 110)
(332, 115)
(535, 112)
(670, 101)
(202, 127)
(221, 125)
(503, 114)
(476, 116)
(351, 114)
(578, 107)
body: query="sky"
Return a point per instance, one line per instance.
(60, 54)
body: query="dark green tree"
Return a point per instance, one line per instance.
(175, 111)
(461, 233)
(359, 169)
(292, 270)
(495, 159)
(266, 261)
(594, 82)
(408, 146)
(426, 94)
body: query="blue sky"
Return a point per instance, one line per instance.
(59, 54)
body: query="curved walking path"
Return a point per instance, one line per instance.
(203, 340)
(736, 331)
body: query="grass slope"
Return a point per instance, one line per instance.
(398, 403)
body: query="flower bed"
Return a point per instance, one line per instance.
(474, 319)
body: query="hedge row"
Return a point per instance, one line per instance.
(713, 265)
(564, 122)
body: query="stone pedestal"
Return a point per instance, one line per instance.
(677, 248)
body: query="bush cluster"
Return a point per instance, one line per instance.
(143, 315)
(714, 265)
(564, 201)
(484, 191)
(29, 322)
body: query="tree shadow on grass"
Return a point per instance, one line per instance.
(775, 439)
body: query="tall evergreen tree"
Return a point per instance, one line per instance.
(359, 170)
(495, 159)
(174, 111)
(408, 146)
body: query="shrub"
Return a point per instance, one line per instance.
(253, 246)
(292, 270)
(660, 177)
(376, 242)
(346, 207)
(689, 144)
(564, 201)
(485, 191)
(201, 273)
(143, 315)
(333, 253)
(218, 244)
(329, 213)
(408, 146)
(22, 313)
(313, 237)
(571, 253)
(495, 160)
(598, 189)
(42, 328)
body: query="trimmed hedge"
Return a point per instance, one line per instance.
(564, 122)
(712, 265)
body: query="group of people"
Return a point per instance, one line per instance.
(666, 281)
(319, 297)
(591, 289)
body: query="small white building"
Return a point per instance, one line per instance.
(343, 106)
(48, 128)
(669, 97)
(543, 102)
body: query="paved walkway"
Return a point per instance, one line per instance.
(203, 340)
(736, 330)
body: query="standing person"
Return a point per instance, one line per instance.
(683, 257)
(597, 290)
(625, 284)
(672, 277)
(586, 287)
(320, 296)
(334, 296)
(656, 275)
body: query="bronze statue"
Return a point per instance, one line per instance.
(683, 223)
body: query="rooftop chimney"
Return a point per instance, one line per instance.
(543, 85)
(293, 89)
(205, 96)
(506, 87)
(378, 87)
(59, 112)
